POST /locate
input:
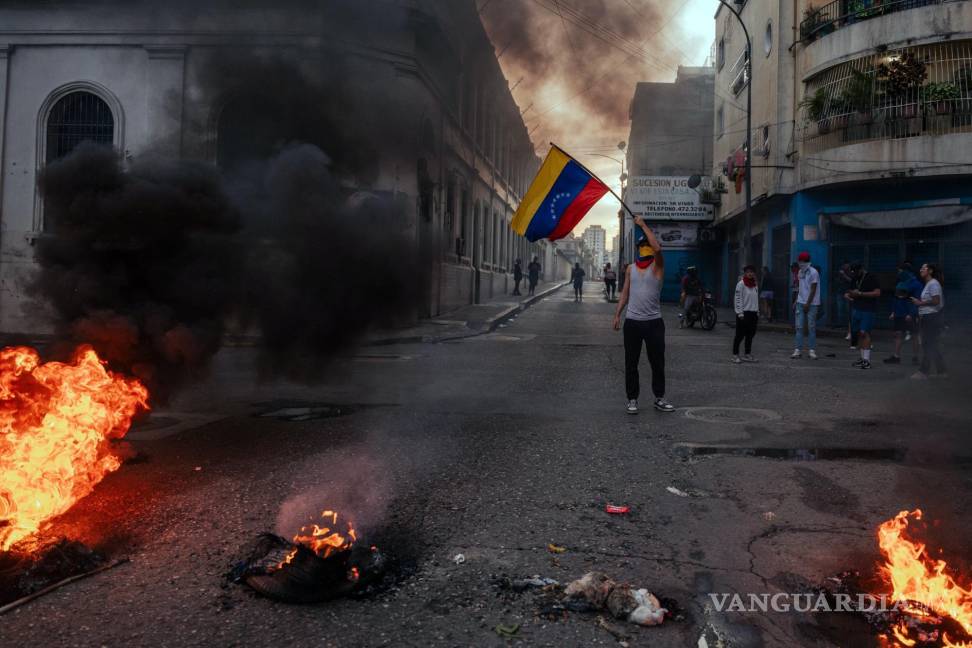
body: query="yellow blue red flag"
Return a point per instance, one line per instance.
(558, 198)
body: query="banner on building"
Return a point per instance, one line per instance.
(661, 198)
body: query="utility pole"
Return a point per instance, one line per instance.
(748, 218)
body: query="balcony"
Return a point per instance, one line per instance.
(739, 73)
(821, 21)
(911, 92)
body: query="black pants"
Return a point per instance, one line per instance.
(516, 286)
(745, 329)
(931, 330)
(651, 333)
(533, 284)
(578, 290)
(610, 286)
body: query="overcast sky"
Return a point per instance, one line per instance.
(575, 89)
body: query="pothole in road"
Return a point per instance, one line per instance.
(731, 415)
(794, 454)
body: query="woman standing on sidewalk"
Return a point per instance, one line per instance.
(747, 315)
(930, 305)
(577, 278)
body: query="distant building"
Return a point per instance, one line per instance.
(670, 141)
(595, 240)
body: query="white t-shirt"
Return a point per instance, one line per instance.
(931, 289)
(807, 278)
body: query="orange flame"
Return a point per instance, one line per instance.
(322, 540)
(56, 421)
(917, 577)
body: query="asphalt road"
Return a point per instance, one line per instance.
(495, 446)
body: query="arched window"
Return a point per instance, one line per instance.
(78, 117)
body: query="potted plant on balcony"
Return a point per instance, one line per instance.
(902, 80)
(815, 109)
(940, 96)
(815, 24)
(857, 99)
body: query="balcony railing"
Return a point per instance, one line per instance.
(820, 21)
(923, 90)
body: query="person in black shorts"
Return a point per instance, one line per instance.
(864, 297)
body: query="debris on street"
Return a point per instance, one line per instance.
(459, 559)
(676, 491)
(617, 510)
(621, 600)
(557, 549)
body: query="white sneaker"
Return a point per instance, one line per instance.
(795, 354)
(919, 376)
(663, 405)
(813, 354)
(632, 406)
(908, 336)
(735, 360)
(749, 358)
(847, 337)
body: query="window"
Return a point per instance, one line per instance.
(768, 38)
(721, 121)
(78, 117)
(721, 54)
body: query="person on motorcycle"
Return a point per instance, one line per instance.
(691, 292)
(643, 324)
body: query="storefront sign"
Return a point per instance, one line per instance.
(661, 198)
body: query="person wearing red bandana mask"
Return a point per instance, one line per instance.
(747, 314)
(643, 324)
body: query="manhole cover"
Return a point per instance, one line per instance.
(731, 415)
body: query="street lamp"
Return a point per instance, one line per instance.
(624, 176)
(748, 220)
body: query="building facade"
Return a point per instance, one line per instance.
(595, 240)
(860, 139)
(671, 141)
(142, 80)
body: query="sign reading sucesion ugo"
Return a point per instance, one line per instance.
(665, 198)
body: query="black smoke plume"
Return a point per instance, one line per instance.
(151, 262)
(141, 263)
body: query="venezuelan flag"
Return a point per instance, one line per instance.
(558, 198)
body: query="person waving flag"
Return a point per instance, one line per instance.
(558, 198)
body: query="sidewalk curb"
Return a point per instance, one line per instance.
(489, 326)
(493, 323)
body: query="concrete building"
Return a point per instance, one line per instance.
(862, 126)
(671, 140)
(140, 78)
(595, 240)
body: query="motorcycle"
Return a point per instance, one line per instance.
(703, 311)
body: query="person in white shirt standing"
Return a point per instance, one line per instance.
(930, 306)
(747, 314)
(807, 305)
